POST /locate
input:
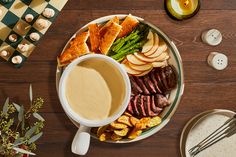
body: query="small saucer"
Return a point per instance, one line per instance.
(200, 126)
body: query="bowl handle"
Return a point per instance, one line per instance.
(81, 141)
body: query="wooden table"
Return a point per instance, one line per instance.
(205, 88)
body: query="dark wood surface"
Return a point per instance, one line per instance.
(205, 88)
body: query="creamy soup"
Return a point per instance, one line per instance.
(95, 89)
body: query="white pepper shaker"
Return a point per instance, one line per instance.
(218, 61)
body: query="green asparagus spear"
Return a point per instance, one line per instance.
(121, 41)
(124, 52)
(121, 59)
(129, 44)
(117, 41)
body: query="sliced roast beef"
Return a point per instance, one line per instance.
(164, 78)
(130, 108)
(159, 82)
(148, 92)
(161, 101)
(142, 85)
(154, 107)
(141, 106)
(172, 79)
(154, 80)
(150, 112)
(134, 86)
(149, 84)
(134, 105)
(145, 105)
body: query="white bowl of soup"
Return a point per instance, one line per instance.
(94, 90)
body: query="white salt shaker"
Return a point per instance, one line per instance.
(212, 37)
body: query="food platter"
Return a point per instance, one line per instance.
(174, 59)
(202, 125)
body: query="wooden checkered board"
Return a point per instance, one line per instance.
(14, 13)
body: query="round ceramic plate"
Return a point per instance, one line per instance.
(174, 60)
(202, 125)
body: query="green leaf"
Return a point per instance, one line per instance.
(22, 151)
(38, 116)
(21, 113)
(15, 145)
(5, 107)
(35, 138)
(30, 132)
(17, 106)
(19, 141)
(23, 124)
(31, 93)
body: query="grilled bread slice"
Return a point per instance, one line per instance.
(104, 28)
(77, 47)
(80, 39)
(128, 25)
(94, 37)
(109, 37)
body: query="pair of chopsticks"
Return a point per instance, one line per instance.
(226, 130)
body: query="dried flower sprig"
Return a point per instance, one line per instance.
(18, 130)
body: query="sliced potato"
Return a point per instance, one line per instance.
(125, 120)
(154, 121)
(127, 114)
(117, 125)
(122, 132)
(105, 136)
(155, 46)
(149, 44)
(134, 60)
(141, 68)
(115, 137)
(134, 120)
(110, 129)
(101, 130)
(143, 122)
(134, 133)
